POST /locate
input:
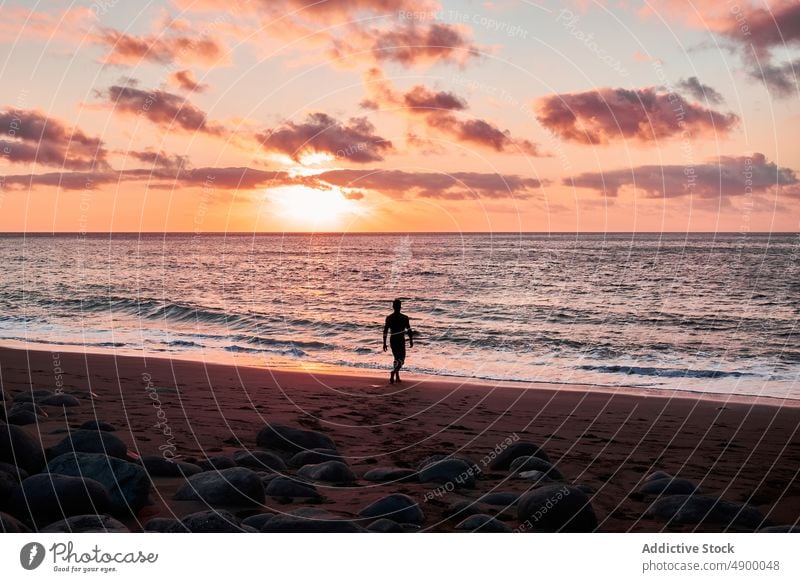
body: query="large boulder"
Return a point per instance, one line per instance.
(32, 395)
(212, 521)
(457, 472)
(705, 509)
(258, 520)
(398, 507)
(216, 463)
(86, 524)
(556, 508)
(91, 441)
(237, 486)
(328, 472)
(21, 417)
(280, 437)
(127, 483)
(504, 459)
(18, 448)
(384, 525)
(259, 460)
(286, 488)
(46, 497)
(668, 486)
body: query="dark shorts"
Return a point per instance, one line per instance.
(398, 349)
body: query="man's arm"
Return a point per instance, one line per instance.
(385, 333)
(410, 333)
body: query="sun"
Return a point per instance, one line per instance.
(311, 208)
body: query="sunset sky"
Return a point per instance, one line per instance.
(400, 115)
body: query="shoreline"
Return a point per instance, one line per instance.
(608, 443)
(250, 362)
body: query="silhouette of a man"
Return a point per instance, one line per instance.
(398, 324)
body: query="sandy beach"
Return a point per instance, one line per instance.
(605, 443)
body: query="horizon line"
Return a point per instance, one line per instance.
(368, 232)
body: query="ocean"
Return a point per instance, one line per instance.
(714, 313)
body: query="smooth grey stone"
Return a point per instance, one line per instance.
(384, 525)
(287, 438)
(695, 509)
(158, 466)
(91, 441)
(397, 506)
(668, 486)
(657, 475)
(213, 521)
(259, 460)
(556, 508)
(46, 497)
(532, 463)
(780, 529)
(523, 449)
(287, 488)
(127, 483)
(32, 395)
(314, 457)
(60, 400)
(446, 471)
(328, 472)
(234, 486)
(86, 524)
(483, 523)
(27, 407)
(257, 521)
(21, 417)
(17, 447)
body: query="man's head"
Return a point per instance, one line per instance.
(396, 304)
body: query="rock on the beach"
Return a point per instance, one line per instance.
(695, 509)
(384, 474)
(504, 459)
(398, 507)
(455, 471)
(780, 529)
(127, 483)
(217, 463)
(328, 472)
(314, 457)
(28, 407)
(319, 524)
(461, 509)
(288, 488)
(97, 425)
(556, 508)
(17, 447)
(384, 525)
(533, 463)
(259, 460)
(656, 475)
(91, 441)
(158, 466)
(21, 417)
(10, 524)
(258, 520)
(234, 486)
(165, 525)
(32, 395)
(60, 400)
(213, 521)
(45, 498)
(483, 523)
(286, 438)
(86, 524)
(536, 477)
(668, 486)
